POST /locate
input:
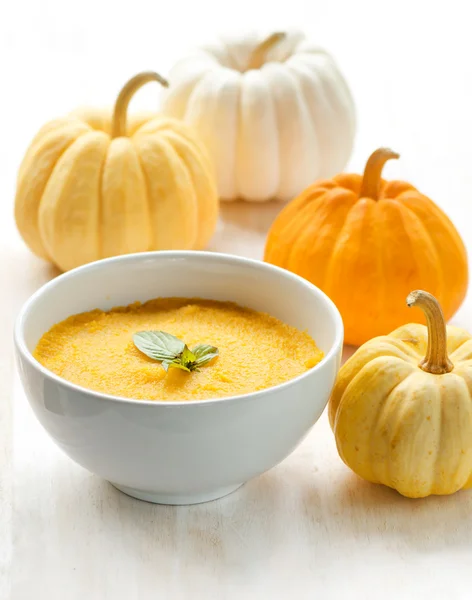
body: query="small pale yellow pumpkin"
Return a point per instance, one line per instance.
(403, 420)
(95, 184)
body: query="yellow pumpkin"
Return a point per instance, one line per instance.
(96, 184)
(403, 420)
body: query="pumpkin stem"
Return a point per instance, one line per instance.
(258, 56)
(436, 360)
(373, 172)
(118, 128)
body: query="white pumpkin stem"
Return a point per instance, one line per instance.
(120, 112)
(373, 172)
(259, 54)
(436, 360)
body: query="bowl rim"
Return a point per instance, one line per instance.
(169, 254)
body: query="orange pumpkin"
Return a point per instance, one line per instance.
(367, 242)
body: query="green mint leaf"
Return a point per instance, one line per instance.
(165, 364)
(187, 357)
(204, 354)
(158, 345)
(172, 352)
(175, 364)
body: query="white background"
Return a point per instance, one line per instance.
(309, 528)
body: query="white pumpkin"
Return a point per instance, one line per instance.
(275, 114)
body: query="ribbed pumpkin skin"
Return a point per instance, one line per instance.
(400, 426)
(83, 195)
(271, 128)
(368, 254)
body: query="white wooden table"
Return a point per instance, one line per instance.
(308, 528)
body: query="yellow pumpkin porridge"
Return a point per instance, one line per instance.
(98, 350)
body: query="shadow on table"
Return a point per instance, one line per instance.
(287, 507)
(233, 530)
(366, 511)
(291, 514)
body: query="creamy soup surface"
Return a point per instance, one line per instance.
(256, 351)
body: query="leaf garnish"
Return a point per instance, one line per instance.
(158, 345)
(204, 353)
(174, 364)
(172, 352)
(188, 357)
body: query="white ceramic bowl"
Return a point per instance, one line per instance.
(186, 452)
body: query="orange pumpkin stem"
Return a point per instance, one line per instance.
(258, 56)
(436, 360)
(118, 128)
(373, 172)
